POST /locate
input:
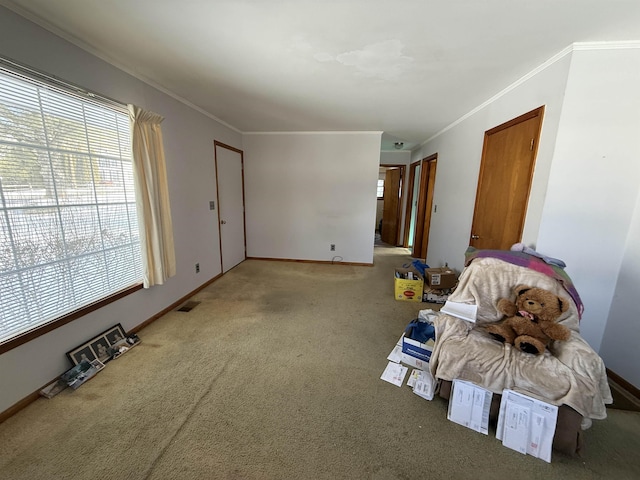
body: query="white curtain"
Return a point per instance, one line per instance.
(152, 197)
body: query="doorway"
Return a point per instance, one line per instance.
(504, 182)
(392, 203)
(422, 179)
(229, 164)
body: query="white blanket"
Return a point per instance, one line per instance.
(569, 373)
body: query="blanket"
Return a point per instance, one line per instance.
(534, 263)
(569, 373)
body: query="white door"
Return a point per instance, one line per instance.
(229, 177)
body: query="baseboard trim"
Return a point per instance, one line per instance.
(326, 262)
(32, 397)
(631, 389)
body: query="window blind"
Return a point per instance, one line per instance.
(68, 223)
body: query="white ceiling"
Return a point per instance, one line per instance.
(405, 67)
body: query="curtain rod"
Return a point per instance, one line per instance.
(31, 73)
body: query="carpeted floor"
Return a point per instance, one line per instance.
(275, 375)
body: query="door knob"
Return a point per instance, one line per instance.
(475, 237)
(222, 222)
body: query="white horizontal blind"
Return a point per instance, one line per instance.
(68, 224)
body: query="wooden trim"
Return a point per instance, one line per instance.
(425, 199)
(538, 112)
(15, 408)
(59, 322)
(328, 262)
(32, 397)
(216, 143)
(624, 384)
(244, 214)
(408, 206)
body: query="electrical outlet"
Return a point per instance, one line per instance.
(333, 247)
(197, 268)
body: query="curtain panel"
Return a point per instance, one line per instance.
(152, 197)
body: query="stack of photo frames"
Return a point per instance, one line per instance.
(90, 357)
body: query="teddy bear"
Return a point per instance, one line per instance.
(531, 321)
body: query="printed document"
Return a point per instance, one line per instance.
(469, 406)
(526, 424)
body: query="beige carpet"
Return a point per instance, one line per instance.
(275, 375)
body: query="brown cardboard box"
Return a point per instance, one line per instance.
(440, 278)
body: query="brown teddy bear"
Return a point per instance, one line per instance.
(531, 321)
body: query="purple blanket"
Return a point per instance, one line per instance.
(532, 262)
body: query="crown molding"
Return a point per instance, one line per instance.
(110, 60)
(342, 132)
(578, 46)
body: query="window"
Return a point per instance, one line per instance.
(68, 224)
(380, 188)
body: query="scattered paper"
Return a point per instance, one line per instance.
(394, 373)
(469, 406)
(415, 373)
(464, 311)
(396, 354)
(526, 424)
(425, 385)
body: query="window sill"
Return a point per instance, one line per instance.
(59, 322)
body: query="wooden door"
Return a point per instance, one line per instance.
(504, 183)
(391, 207)
(230, 182)
(425, 206)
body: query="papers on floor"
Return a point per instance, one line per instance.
(396, 353)
(461, 310)
(424, 385)
(469, 406)
(526, 424)
(394, 373)
(420, 379)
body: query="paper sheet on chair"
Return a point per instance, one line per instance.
(526, 424)
(464, 311)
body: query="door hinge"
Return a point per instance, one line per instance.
(531, 147)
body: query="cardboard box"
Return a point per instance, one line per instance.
(414, 362)
(421, 351)
(433, 295)
(405, 289)
(440, 278)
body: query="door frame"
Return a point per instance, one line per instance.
(400, 196)
(216, 144)
(425, 206)
(537, 112)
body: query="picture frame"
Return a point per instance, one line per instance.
(99, 347)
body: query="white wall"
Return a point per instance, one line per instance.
(459, 152)
(584, 205)
(188, 139)
(622, 335)
(305, 191)
(595, 180)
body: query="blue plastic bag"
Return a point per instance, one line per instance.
(418, 265)
(420, 331)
